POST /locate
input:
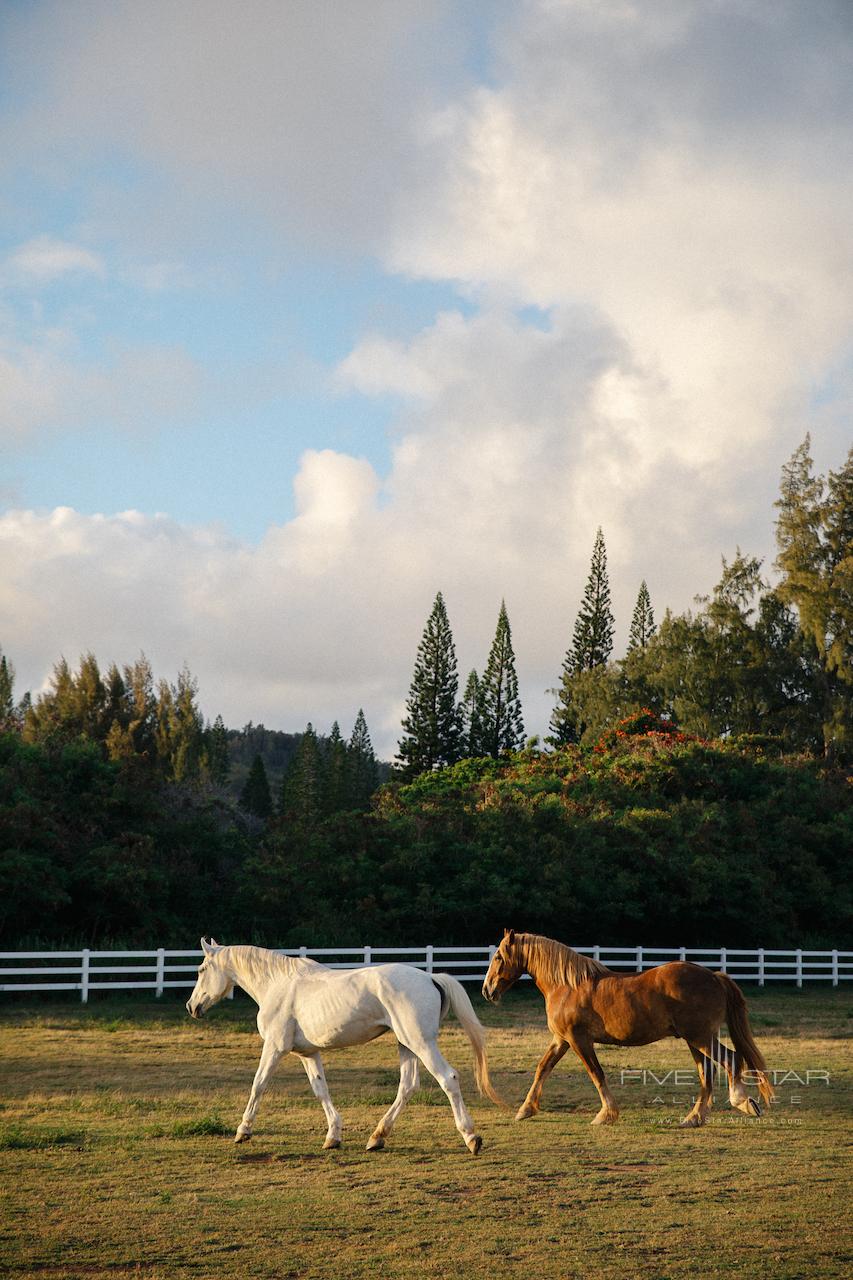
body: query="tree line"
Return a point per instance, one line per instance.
(158, 732)
(653, 836)
(751, 659)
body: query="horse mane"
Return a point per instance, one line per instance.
(259, 962)
(555, 963)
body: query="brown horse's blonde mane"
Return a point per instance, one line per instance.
(554, 964)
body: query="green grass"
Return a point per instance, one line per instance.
(117, 1159)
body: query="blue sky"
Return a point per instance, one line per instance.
(307, 312)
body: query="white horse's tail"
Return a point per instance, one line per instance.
(459, 1002)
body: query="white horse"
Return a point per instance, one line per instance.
(304, 1007)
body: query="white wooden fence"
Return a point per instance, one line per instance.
(86, 971)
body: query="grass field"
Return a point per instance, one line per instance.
(117, 1157)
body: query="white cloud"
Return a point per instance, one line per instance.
(45, 258)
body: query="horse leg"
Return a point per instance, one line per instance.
(609, 1112)
(548, 1062)
(733, 1065)
(270, 1055)
(313, 1065)
(438, 1066)
(707, 1069)
(408, 1083)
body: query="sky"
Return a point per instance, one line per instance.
(311, 310)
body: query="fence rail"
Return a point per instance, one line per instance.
(86, 971)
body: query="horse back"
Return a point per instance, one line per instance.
(674, 999)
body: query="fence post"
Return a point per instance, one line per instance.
(799, 968)
(303, 952)
(722, 959)
(367, 954)
(761, 966)
(835, 968)
(682, 955)
(84, 977)
(596, 953)
(429, 958)
(639, 959)
(161, 967)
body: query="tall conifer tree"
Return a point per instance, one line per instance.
(432, 727)
(362, 767)
(255, 797)
(592, 644)
(642, 621)
(7, 700)
(218, 755)
(472, 726)
(335, 771)
(301, 790)
(502, 726)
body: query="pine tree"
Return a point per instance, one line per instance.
(433, 724)
(814, 534)
(255, 797)
(218, 757)
(301, 788)
(592, 644)
(142, 709)
(643, 620)
(180, 729)
(8, 719)
(335, 772)
(362, 767)
(502, 727)
(472, 727)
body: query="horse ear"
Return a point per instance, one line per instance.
(216, 945)
(510, 936)
(206, 946)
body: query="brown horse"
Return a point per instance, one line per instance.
(589, 1004)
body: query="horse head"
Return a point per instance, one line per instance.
(212, 983)
(506, 967)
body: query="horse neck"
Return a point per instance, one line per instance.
(252, 968)
(551, 964)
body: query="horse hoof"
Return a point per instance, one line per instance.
(331, 1144)
(754, 1108)
(691, 1122)
(606, 1117)
(525, 1112)
(474, 1143)
(242, 1137)
(376, 1144)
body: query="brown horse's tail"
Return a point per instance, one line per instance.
(458, 1001)
(737, 1021)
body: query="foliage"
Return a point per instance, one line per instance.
(814, 534)
(255, 797)
(432, 727)
(472, 727)
(592, 644)
(642, 620)
(499, 706)
(93, 850)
